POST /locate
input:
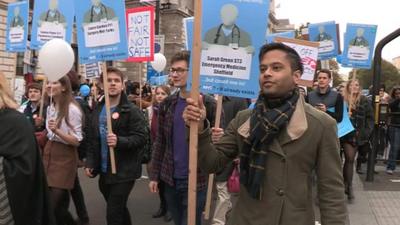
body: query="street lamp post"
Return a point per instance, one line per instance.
(157, 30)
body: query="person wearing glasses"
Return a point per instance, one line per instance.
(99, 12)
(170, 159)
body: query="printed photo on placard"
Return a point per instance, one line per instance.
(326, 35)
(17, 26)
(52, 19)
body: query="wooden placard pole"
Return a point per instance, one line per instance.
(194, 126)
(42, 98)
(108, 113)
(94, 84)
(351, 91)
(140, 85)
(211, 176)
(93, 94)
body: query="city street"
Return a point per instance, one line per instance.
(376, 203)
(142, 204)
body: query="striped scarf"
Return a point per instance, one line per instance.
(6, 217)
(268, 118)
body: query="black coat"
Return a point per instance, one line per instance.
(130, 130)
(231, 106)
(84, 144)
(362, 119)
(23, 170)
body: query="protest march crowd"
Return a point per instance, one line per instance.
(274, 159)
(281, 145)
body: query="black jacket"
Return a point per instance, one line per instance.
(362, 119)
(330, 99)
(231, 106)
(23, 169)
(130, 130)
(84, 144)
(394, 106)
(31, 115)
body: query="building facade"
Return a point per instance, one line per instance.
(8, 61)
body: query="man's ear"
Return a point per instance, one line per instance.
(296, 76)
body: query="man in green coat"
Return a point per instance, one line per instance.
(280, 142)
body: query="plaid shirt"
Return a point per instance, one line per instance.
(162, 160)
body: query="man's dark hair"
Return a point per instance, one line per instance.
(394, 89)
(113, 70)
(292, 55)
(34, 85)
(383, 86)
(181, 56)
(74, 79)
(324, 71)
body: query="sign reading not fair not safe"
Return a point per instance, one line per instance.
(140, 22)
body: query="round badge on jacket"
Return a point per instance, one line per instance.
(115, 116)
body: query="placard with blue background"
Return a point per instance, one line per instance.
(158, 48)
(188, 27)
(359, 45)
(230, 44)
(17, 26)
(101, 30)
(326, 34)
(271, 37)
(52, 19)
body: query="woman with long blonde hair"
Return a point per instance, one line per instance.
(361, 117)
(6, 99)
(24, 198)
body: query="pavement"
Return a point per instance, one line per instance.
(376, 203)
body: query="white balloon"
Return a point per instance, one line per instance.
(56, 59)
(159, 62)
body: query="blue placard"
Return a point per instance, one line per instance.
(159, 80)
(326, 34)
(188, 27)
(52, 19)
(101, 26)
(345, 126)
(151, 72)
(230, 43)
(359, 43)
(17, 26)
(271, 37)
